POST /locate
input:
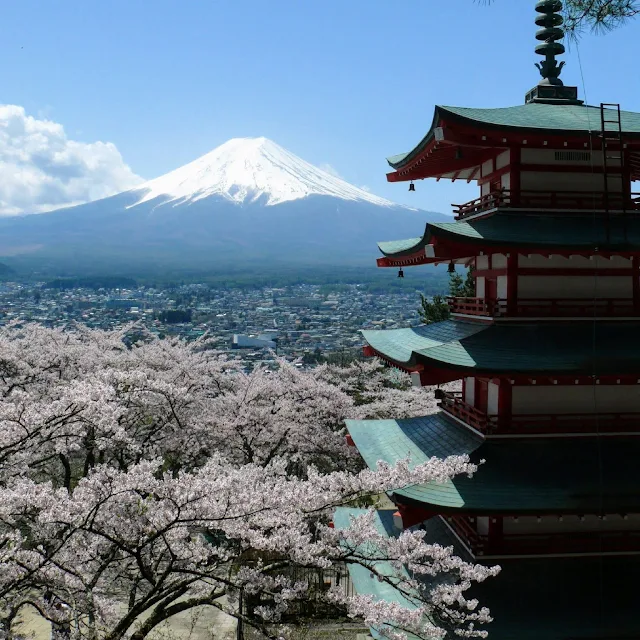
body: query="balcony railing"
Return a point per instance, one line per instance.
(454, 404)
(539, 423)
(576, 200)
(544, 543)
(545, 307)
(475, 306)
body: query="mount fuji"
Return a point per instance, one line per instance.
(248, 201)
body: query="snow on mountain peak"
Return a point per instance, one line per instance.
(246, 169)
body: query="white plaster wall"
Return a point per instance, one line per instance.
(557, 399)
(570, 523)
(502, 287)
(487, 167)
(575, 287)
(482, 524)
(492, 399)
(572, 262)
(485, 189)
(470, 391)
(505, 181)
(480, 287)
(482, 262)
(548, 181)
(503, 159)
(498, 261)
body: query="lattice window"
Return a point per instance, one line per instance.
(573, 156)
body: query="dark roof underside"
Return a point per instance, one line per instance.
(529, 230)
(543, 599)
(536, 476)
(551, 348)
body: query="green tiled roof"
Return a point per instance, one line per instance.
(541, 475)
(536, 117)
(400, 247)
(546, 117)
(604, 348)
(524, 229)
(401, 344)
(582, 598)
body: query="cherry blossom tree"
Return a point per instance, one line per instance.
(140, 482)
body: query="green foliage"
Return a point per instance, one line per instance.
(598, 15)
(174, 316)
(313, 357)
(436, 309)
(460, 287)
(595, 15)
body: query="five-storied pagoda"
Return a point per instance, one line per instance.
(548, 352)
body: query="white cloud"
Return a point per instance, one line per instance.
(331, 170)
(41, 169)
(365, 187)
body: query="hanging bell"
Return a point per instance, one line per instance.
(412, 187)
(400, 273)
(451, 268)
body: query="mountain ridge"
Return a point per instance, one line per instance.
(250, 202)
(246, 169)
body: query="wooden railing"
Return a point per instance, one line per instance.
(474, 306)
(466, 530)
(539, 423)
(545, 307)
(571, 200)
(541, 543)
(565, 423)
(454, 404)
(537, 307)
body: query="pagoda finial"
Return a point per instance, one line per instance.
(550, 89)
(551, 21)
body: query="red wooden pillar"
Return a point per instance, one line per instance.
(515, 163)
(626, 179)
(496, 534)
(505, 403)
(635, 285)
(512, 283)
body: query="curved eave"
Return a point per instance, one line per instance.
(571, 121)
(402, 248)
(402, 159)
(519, 476)
(521, 231)
(404, 346)
(549, 349)
(529, 230)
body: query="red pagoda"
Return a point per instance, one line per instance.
(548, 352)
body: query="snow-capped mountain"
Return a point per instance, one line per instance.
(248, 169)
(247, 202)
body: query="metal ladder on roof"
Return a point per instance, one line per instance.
(612, 150)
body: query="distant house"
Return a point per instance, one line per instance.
(241, 341)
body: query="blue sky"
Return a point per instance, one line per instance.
(344, 83)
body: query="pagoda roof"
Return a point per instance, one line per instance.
(524, 229)
(549, 348)
(553, 119)
(586, 598)
(519, 476)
